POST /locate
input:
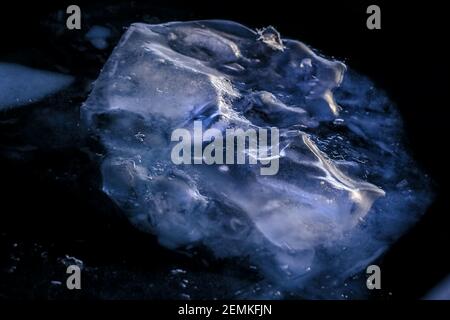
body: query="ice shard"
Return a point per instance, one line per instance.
(346, 186)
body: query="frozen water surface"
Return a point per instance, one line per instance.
(346, 187)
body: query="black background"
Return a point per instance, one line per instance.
(408, 58)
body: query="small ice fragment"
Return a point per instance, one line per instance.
(20, 85)
(98, 36)
(177, 271)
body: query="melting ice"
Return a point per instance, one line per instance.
(346, 188)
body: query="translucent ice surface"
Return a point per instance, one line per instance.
(346, 188)
(20, 85)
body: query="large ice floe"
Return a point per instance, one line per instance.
(346, 188)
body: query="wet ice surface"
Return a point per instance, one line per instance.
(20, 85)
(346, 187)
